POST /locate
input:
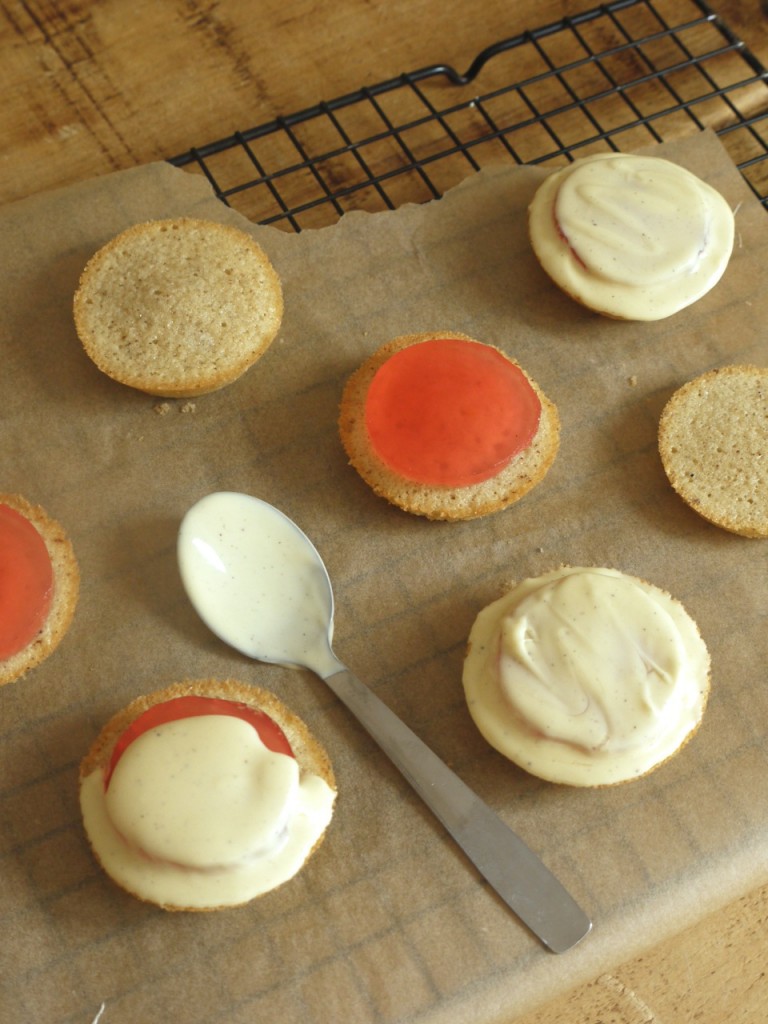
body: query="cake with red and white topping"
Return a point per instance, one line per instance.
(205, 795)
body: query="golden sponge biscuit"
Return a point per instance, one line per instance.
(178, 308)
(713, 442)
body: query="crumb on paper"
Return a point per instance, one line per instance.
(163, 408)
(632, 380)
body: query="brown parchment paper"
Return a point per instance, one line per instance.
(388, 923)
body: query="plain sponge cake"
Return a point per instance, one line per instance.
(178, 308)
(205, 794)
(713, 442)
(631, 237)
(447, 427)
(39, 585)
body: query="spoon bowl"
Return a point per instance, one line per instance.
(260, 585)
(257, 581)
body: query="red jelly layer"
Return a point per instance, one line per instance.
(192, 706)
(449, 412)
(26, 582)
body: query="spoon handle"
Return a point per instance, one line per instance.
(501, 857)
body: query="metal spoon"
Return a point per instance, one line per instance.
(260, 585)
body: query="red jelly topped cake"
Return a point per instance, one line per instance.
(39, 585)
(447, 427)
(205, 795)
(26, 581)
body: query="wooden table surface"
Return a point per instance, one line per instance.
(94, 86)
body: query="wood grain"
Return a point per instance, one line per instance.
(708, 974)
(92, 87)
(95, 86)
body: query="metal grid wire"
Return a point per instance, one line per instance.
(620, 76)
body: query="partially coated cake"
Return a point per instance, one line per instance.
(205, 794)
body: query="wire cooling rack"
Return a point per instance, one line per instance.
(619, 76)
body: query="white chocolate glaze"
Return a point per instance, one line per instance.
(634, 237)
(256, 580)
(586, 676)
(199, 813)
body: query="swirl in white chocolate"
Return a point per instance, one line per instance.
(586, 676)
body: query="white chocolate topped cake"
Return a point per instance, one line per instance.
(586, 676)
(631, 237)
(205, 795)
